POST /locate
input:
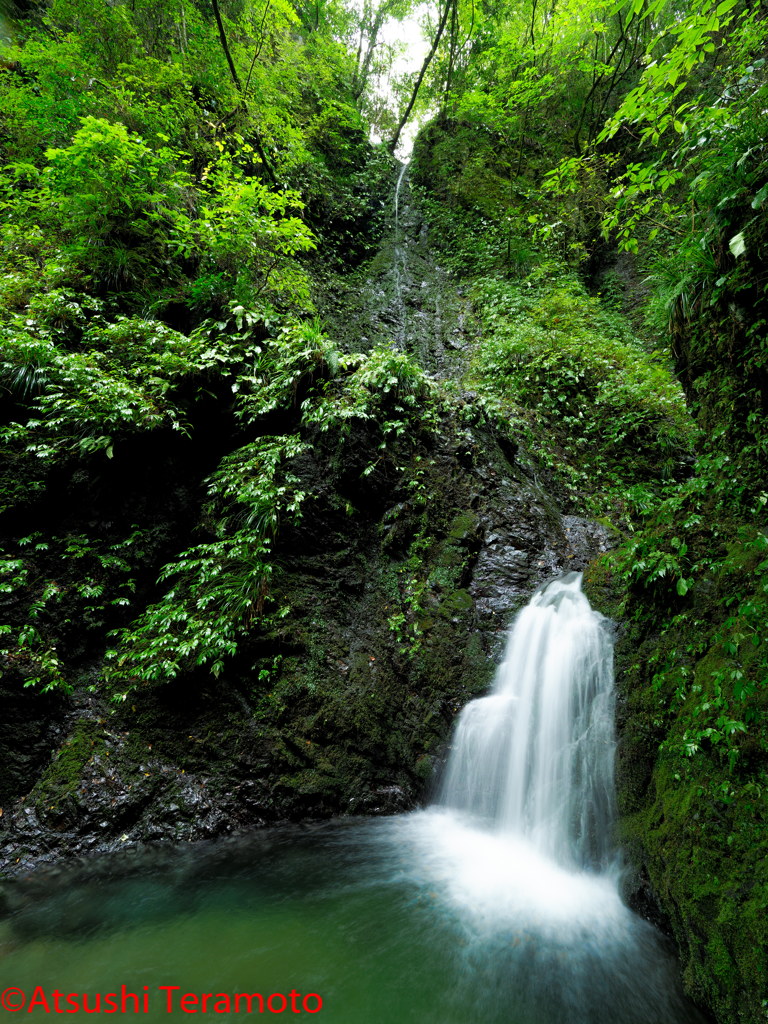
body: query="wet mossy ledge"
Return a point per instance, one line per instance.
(691, 761)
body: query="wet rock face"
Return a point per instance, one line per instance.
(398, 615)
(403, 297)
(28, 722)
(399, 585)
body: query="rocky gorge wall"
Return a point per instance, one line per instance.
(397, 588)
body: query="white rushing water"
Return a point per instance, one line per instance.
(519, 848)
(399, 260)
(499, 905)
(534, 759)
(398, 186)
(522, 828)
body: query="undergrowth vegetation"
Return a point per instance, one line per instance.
(221, 589)
(604, 416)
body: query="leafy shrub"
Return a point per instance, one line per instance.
(220, 587)
(249, 234)
(603, 413)
(115, 202)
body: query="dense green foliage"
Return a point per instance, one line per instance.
(181, 189)
(602, 415)
(162, 178)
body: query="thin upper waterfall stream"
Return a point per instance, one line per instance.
(498, 904)
(399, 264)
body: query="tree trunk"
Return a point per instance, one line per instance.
(225, 44)
(235, 78)
(427, 61)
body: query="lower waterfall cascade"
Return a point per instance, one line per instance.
(498, 904)
(535, 757)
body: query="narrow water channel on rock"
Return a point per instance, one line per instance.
(497, 905)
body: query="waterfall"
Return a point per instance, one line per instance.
(400, 177)
(535, 757)
(399, 264)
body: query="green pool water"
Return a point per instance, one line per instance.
(425, 918)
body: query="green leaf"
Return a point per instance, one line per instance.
(737, 245)
(682, 587)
